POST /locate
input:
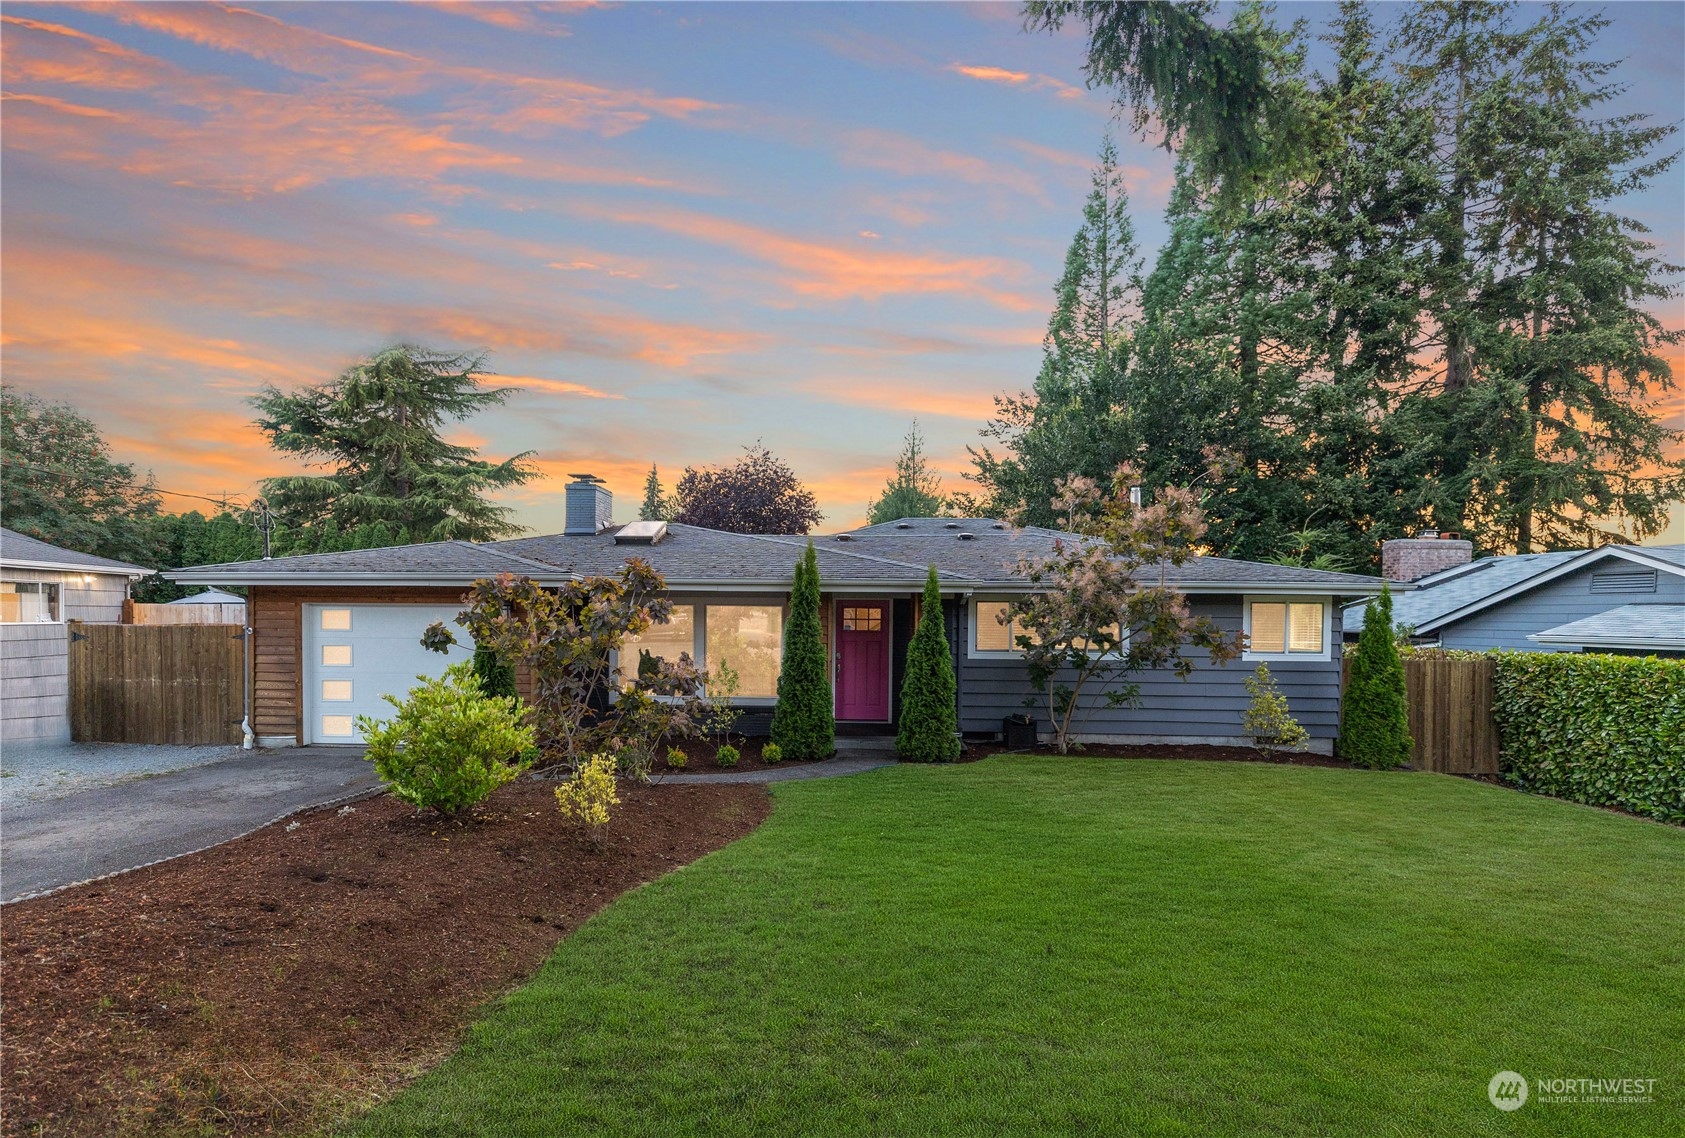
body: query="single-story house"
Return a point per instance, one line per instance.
(41, 587)
(334, 632)
(1524, 601)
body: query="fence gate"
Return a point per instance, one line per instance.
(182, 684)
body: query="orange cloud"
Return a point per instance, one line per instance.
(838, 272)
(899, 154)
(909, 396)
(1026, 79)
(553, 386)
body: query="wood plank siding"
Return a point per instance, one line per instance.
(277, 655)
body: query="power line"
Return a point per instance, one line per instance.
(224, 501)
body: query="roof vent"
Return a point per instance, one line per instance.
(999, 525)
(968, 537)
(641, 533)
(590, 505)
(903, 525)
(950, 525)
(843, 537)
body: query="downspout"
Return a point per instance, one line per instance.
(246, 680)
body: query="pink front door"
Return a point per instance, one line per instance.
(862, 659)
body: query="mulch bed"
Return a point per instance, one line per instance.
(700, 758)
(288, 978)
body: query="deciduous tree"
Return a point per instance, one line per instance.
(759, 493)
(1102, 610)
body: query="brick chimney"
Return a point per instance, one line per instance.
(1408, 558)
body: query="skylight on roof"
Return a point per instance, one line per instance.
(641, 533)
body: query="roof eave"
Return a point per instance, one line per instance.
(133, 572)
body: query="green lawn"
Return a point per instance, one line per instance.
(1033, 945)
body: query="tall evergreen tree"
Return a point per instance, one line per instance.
(378, 428)
(655, 506)
(1374, 716)
(804, 724)
(59, 484)
(1075, 420)
(914, 490)
(1564, 411)
(928, 730)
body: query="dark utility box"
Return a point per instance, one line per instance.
(1018, 731)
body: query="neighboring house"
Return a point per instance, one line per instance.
(211, 597)
(334, 632)
(41, 587)
(1613, 598)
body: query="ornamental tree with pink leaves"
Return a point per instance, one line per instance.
(1102, 610)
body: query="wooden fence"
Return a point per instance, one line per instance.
(132, 683)
(1450, 707)
(134, 613)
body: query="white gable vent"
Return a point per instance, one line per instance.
(640, 533)
(1631, 581)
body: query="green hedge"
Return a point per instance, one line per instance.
(1604, 730)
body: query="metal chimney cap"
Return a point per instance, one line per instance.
(585, 478)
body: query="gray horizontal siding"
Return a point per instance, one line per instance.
(99, 602)
(1206, 705)
(34, 682)
(1566, 599)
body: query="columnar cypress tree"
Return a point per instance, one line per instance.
(804, 726)
(496, 677)
(928, 731)
(1375, 728)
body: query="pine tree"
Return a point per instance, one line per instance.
(655, 507)
(914, 491)
(804, 724)
(928, 731)
(1074, 421)
(378, 428)
(1375, 721)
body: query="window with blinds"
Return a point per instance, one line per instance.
(1281, 628)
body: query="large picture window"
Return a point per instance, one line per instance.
(989, 637)
(662, 642)
(1286, 628)
(27, 602)
(748, 639)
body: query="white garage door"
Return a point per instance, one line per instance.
(354, 654)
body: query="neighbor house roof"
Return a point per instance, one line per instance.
(1659, 627)
(22, 552)
(970, 554)
(210, 597)
(1453, 594)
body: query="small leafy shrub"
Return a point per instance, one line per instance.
(587, 797)
(772, 753)
(1603, 730)
(1268, 719)
(727, 756)
(676, 758)
(450, 744)
(1375, 723)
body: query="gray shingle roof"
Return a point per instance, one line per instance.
(1659, 626)
(23, 551)
(1439, 595)
(895, 554)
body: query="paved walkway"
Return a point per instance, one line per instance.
(49, 843)
(853, 756)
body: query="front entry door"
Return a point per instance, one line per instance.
(862, 660)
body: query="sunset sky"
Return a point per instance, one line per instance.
(676, 228)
